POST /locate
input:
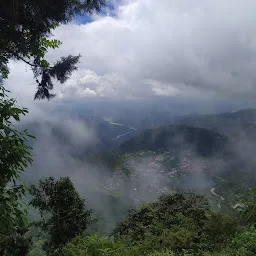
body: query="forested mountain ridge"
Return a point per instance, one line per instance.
(204, 142)
(105, 135)
(226, 123)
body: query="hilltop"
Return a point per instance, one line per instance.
(202, 141)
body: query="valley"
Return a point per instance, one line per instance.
(163, 159)
(128, 168)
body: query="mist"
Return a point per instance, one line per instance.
(62, 147)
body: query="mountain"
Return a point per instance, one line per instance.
(81, 134)
(231, 124)
(145, 164)
(165, 138)
(174, 157)
(162, 160)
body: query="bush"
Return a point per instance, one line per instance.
(104, 246)
(244, 244)
(178, 239)
(182, 209)
(91, 246)
(218, 230)
(163, 253)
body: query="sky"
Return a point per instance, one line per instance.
(185, 50)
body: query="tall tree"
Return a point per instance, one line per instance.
(63, 211)
(25, 28)
(15, 155)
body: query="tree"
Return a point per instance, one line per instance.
(177, 222)
(63, 211)
(247, 207)
(219, 229)
(15, 155)
(19, 242)
(25, 28)
(187, 210)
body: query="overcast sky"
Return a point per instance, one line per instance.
(146, 48)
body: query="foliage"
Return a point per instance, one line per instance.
(15, 155)
(112, 161)
(61, 71)
(25, 28)
(164, 253)
(247, 207)
(166, 213)
(20, 241)
(216, 234)
(180, 221)
(95, 245)
(244, 244)
(92, 245)
(63, 211)
(219, 229)
(36, 249)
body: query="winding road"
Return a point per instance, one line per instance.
(237, 205)
(124, 134)
(215, 194)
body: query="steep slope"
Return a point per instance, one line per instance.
(162, 160)
(239, 173)
(202, 141)
(80, 135)
(231, 124)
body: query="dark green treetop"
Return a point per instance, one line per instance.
(25, 28)
(63, 211)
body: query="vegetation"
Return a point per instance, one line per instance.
(15, 155)
(19, 242)
(242, 244)
(179, 224)
(247, 207)
(179, 221)
(25, 28)
(62, 210)
(204, 142)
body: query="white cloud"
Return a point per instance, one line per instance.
(185, 47)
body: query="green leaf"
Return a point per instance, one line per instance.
(7, 130)
(44, 63)
(31, 136)
(16, 117)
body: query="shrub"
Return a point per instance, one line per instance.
(91, 246)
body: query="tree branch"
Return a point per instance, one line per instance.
(21, 58)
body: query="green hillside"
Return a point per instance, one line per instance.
(202, 141)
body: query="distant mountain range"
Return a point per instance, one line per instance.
(231, 124)
(108, 135)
